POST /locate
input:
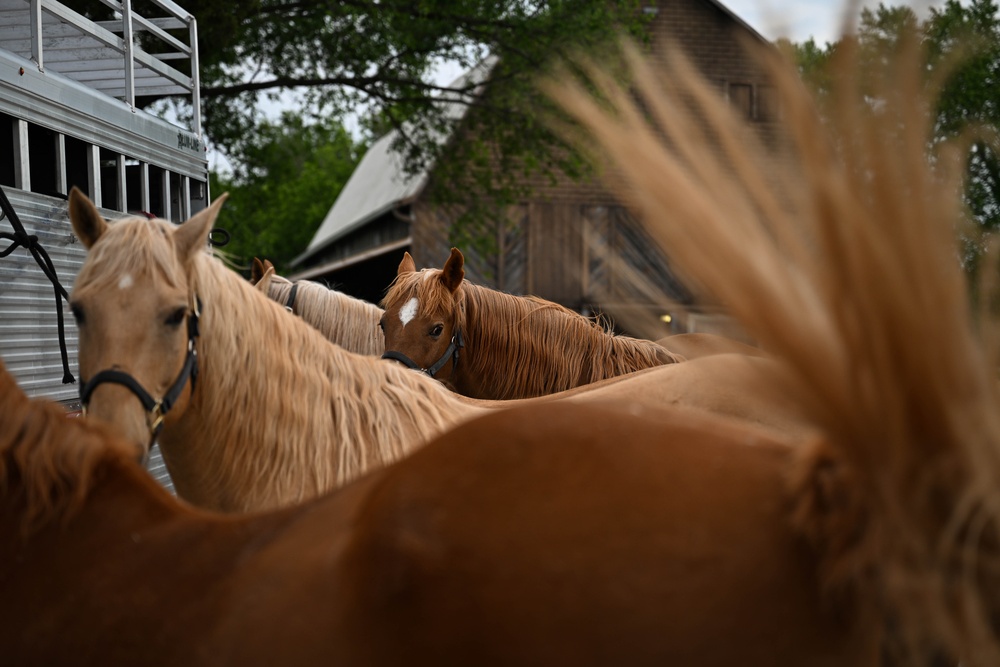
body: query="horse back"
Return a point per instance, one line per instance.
(576, 534)
(696, 345)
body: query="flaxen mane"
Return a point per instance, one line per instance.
(349, 322)
(851, 275)
(521, 347)
(352, 413)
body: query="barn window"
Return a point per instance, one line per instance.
(741, 97)
(767, 104)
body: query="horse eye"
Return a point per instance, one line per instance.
(176, 317)
(436, 331)
(381, 325)
(77, 313)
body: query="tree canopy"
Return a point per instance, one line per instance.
(282, 186)
(376, 60)
(962, 43)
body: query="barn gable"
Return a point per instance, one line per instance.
(549, 244)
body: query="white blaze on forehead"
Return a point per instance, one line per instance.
(409, 310)
(125, 282)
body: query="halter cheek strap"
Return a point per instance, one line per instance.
(290, 304)
(156, 410)
(450, 354)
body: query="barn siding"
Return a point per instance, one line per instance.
(557, 259)
(547, 247)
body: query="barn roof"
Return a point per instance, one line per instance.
(380, 183)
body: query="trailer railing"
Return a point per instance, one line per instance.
(111, 56)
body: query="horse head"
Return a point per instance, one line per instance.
(423, 316)
(137, 315)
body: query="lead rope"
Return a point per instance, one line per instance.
(20, 238)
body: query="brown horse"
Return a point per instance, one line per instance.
(492, 345)
(350, 323)
(593, 533)
(353, 324)
(460, 554)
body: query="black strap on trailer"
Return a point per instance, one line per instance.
(20, 238)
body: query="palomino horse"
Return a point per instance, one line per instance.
(350, 323)
(255, 409)
(599, 533)
(272, 413)
(492, 345)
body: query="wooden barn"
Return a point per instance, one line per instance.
(553, 243)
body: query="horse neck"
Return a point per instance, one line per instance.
(350, 323)
(278, 413)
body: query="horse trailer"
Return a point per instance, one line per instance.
(72, 92)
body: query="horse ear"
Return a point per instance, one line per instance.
(264, 284)
(257, 269)
(406, 265)
(454, 271)
(193, 234)
(88, 223)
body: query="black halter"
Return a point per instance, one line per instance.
(290, 304)
(450, 354)
(155, 409)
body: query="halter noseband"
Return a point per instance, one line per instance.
(450, 354)
(156, 410)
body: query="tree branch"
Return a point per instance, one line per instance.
(359, 83)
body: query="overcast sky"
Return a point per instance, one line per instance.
(798, 20)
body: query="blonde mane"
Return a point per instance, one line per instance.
(279, 413)
(349, 322)
(52, 457)
(851, 275)
(520, 347)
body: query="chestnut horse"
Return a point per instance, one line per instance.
(593, 533)
(350, 323)
(460, 554)
(353, 324)
(492, 345)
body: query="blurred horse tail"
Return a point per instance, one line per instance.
(838, 253)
